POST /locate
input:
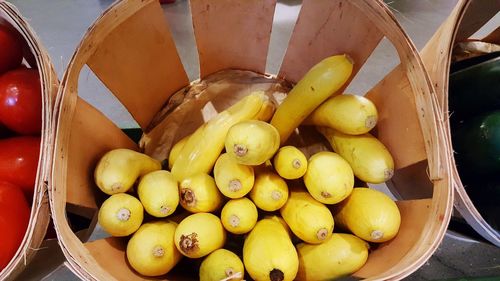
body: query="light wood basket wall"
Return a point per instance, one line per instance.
(131, 50)
(467, 17)
(40, 214)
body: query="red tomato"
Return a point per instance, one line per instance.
(5, 132)
(28, 55)
(11, 45)
(21, 101)
(14, 219)
(19, 162)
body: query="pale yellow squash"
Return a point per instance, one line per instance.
(151, 250)
(252, 142)
(121, 214)
(370, 215)
(118, 169)
(198, 194)
(310, 220)
(290, 162)
(270, 191)
(176, 150)
(329, 178)
(370, 160)
(234, 180)
(266, 111)
(239, 216)
(349, 114)
(268, 252)
(220, 265)
(339, 256)
(199, 234)
(159, 193)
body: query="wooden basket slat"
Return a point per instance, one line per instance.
(412, 182)
(232, 34)
(86, 142)
(65, 234)
(58, 198)
(325, 28)
(432, 131)
(466, 18)
(436, 55)
(78, 257)
(110, 254)
(420, 83)
(141, 86)
(493, 37)
(96, 125)
(398, 123)
(476, 14)
(439, 214)
(414, 215)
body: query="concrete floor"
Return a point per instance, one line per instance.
(61, 23)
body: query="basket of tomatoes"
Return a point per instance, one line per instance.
(247, 175)
(27, 91)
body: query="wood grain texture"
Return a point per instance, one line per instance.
(493, 37)
(436, 55)
(87, 144)
(475, 16)
(67, 154)
(398, 124)
(232, 33)
(325, 28)
(109, 253)
(139, 63)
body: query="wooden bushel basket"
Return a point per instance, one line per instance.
(40, 214)
(131, 50)
(466, 18)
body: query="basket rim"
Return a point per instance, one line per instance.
(40, 211)
(439, 172)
